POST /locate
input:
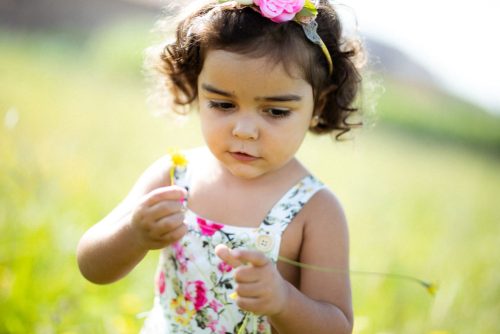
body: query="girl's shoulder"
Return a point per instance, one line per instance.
(323, 208)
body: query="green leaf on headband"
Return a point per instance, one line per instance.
(309, 5)
(307, 13)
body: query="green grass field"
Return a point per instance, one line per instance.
(75, 132)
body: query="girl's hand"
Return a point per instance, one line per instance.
(158, 219)
(260, 287)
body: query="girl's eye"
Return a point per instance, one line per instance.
(277, 112)
(224, 106)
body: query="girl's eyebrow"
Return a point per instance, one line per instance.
(212, 89)
(278, 98)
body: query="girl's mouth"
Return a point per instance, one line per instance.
(244, 157)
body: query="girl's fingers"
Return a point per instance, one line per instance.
(225, 254)
(172, 193)
(238, 257)
(168, 224)
(250, 290)
(174, 235)
(250, 304)
(163, 209)
(256, 258)
(247, 274)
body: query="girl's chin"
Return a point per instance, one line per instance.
(245, 172)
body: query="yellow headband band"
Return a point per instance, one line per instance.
(311, 32)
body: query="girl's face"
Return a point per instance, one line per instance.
(254, 115)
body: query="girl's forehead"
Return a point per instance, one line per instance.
(223, 61)
(231, 56)
(244, 76)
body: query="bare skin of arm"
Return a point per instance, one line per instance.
(322, 301)
(150, 217)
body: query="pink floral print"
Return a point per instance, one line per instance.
(181, 257)
(160, 282)
(215, 305)
(224, 267)
(208, 228)
(196, 293)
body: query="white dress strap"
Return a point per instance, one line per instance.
(282, 214)
(291, 203)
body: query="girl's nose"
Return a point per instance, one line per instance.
(246, 128)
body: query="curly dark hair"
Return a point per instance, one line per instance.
(243, 30)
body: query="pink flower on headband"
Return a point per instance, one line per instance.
(279, 10)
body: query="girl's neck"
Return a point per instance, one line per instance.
(218, 195)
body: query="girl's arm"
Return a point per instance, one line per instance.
(322, 304)
(150, 217)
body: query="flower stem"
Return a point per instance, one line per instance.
(430, 287)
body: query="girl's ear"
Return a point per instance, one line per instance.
(320, 104)
(314, 121)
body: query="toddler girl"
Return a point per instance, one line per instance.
(261, 74)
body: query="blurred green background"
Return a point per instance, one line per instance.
(419, 183)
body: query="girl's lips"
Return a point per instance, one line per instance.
(240, 156)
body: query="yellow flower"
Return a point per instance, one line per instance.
(184, 310)
(178, 158)
(432, 288)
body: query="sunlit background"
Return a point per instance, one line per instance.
(455, 40)
(420, 182)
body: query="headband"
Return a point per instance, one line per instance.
(303, 12)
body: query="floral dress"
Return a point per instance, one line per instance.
(193, 286)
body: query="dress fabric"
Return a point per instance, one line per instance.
(193, 286)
